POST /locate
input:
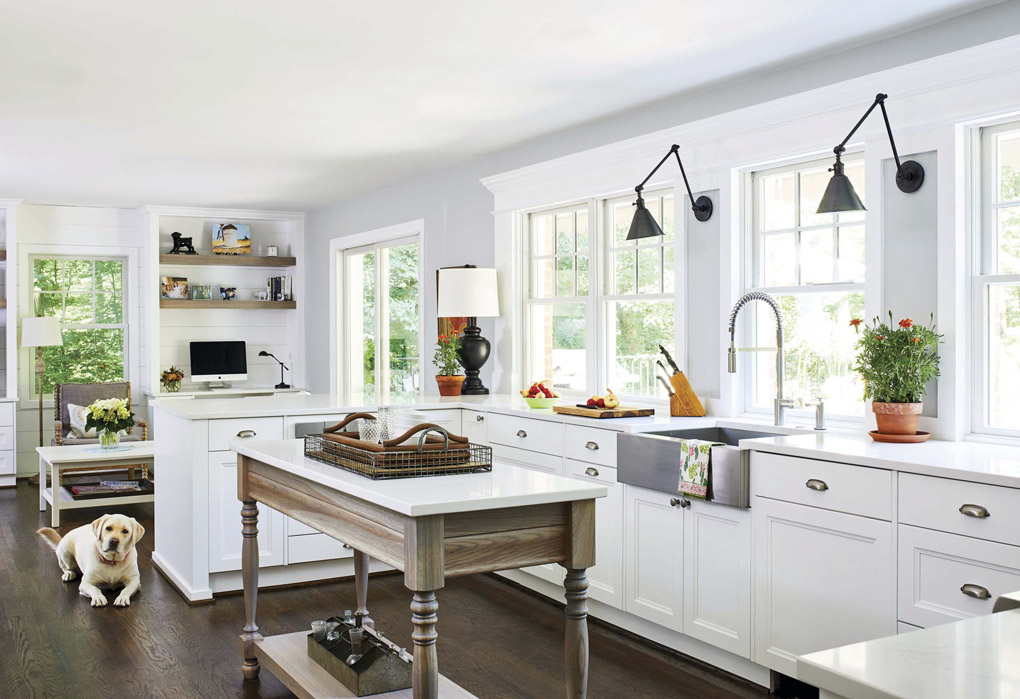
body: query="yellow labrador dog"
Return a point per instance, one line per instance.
(104, 553)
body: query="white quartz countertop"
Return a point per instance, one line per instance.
(320, 404)
(971, 461)
(505, 486)
(977, 657)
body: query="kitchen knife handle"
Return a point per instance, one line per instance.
(669, 358)
(669, 388)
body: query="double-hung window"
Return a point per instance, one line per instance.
(813, 264)
(597, 306)
(996, 283)
(88, 296)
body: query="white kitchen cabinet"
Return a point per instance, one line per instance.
(654, 536)
(717, 576)
(475, 426)
(225, 520)
(822, 579)
(605, 578)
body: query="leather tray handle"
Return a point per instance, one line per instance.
(347, 420)
(418, 428)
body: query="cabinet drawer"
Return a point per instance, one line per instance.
(947, 577)
(315, 547)
(449, 419)
(589, 444)
(544, 436)
(939, 503)
(6, 438)
(7, 413)
(857, 490)
(223, 432)
(591, 472)
(8, 464)
(475, 426)
(546, 463)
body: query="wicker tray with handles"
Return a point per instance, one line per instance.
(436, 453)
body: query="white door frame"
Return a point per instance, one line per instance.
(337, 246)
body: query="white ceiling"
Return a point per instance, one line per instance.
(297, 104)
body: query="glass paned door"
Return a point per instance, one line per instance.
(382, 319)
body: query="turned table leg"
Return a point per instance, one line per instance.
(576, 650)
(361, 583)
(250, 578)
(425, 677)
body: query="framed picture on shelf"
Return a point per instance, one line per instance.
(201, 292)
(173, 287)
(272, 251)
(231, 239)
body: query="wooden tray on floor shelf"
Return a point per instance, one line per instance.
(598, 413)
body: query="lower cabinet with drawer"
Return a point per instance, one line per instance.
(822, 579)
(225, 520)
(947, 577)
(533, 434)
(605, 579)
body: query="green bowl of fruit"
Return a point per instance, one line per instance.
(539, 396)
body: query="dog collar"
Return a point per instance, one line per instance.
(104, 559)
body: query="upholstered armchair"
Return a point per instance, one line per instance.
(86, 394)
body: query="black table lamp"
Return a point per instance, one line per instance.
(283, 366)
(470, 292)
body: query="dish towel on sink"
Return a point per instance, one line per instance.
(695, 468)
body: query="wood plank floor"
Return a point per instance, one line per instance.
(494, 639)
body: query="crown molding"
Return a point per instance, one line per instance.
(203, 212)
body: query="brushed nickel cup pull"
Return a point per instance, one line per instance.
(245, 434)
(522, 434)
(592, 445)
(590, 471)
(975, 511)
(816, 484)
(479, 418)
(976, 591)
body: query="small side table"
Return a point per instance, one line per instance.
(83, 456)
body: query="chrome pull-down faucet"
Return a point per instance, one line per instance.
(781, 404)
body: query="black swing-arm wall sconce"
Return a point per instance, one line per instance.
(643, 224)
(840, 195)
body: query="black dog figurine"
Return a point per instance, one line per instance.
(182, 245)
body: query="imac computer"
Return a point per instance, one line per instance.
(216, 362)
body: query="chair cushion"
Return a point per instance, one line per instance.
(78, 416)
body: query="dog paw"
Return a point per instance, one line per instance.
(68, 576)
(99, 601)
(122, 601)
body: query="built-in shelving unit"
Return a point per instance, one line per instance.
(227, 260)
(226, 305)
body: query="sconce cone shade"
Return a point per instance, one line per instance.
(840, 194)
(643, 224)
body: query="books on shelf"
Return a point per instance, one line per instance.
(280, 288)
(106, 488)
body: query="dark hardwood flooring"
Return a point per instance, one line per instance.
(495, 640)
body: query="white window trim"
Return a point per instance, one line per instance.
(750, 254)
(337, 248)
(26, 299)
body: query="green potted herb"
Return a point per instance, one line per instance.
(896, 362)
(450, 378)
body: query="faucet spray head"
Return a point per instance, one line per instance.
(731, 359)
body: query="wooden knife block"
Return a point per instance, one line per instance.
(684, 402)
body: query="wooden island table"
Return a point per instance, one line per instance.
(430, 529)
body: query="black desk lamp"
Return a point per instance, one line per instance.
(469, 292)
(283, 366)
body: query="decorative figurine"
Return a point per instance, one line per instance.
(182, 245)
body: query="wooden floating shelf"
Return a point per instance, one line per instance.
(227, 260)
(3, 303)
(3, 255)
(217, 304)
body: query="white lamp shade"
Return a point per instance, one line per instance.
(468, 292)
(40, 332)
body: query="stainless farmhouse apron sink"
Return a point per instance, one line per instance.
(652, 460)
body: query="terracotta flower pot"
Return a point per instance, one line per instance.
(897, 418)
(450, 385)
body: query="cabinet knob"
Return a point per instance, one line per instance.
(679, 502)
(522, 434)
(976, 511)
(976, 591)
(479, 418)
(591, 471)
(816, 484)
(348, 546)
(594, 446)
(245, 434)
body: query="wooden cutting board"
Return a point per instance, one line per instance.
(619, 411)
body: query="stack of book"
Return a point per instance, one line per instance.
(106, 488)
(280, 289)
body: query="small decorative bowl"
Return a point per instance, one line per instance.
(541, 403)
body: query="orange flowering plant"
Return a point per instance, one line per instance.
(447, 357)
(896, 360)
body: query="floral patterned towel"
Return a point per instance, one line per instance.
(695, 468)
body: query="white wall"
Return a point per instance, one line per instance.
(62, 230)
(457, 208)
